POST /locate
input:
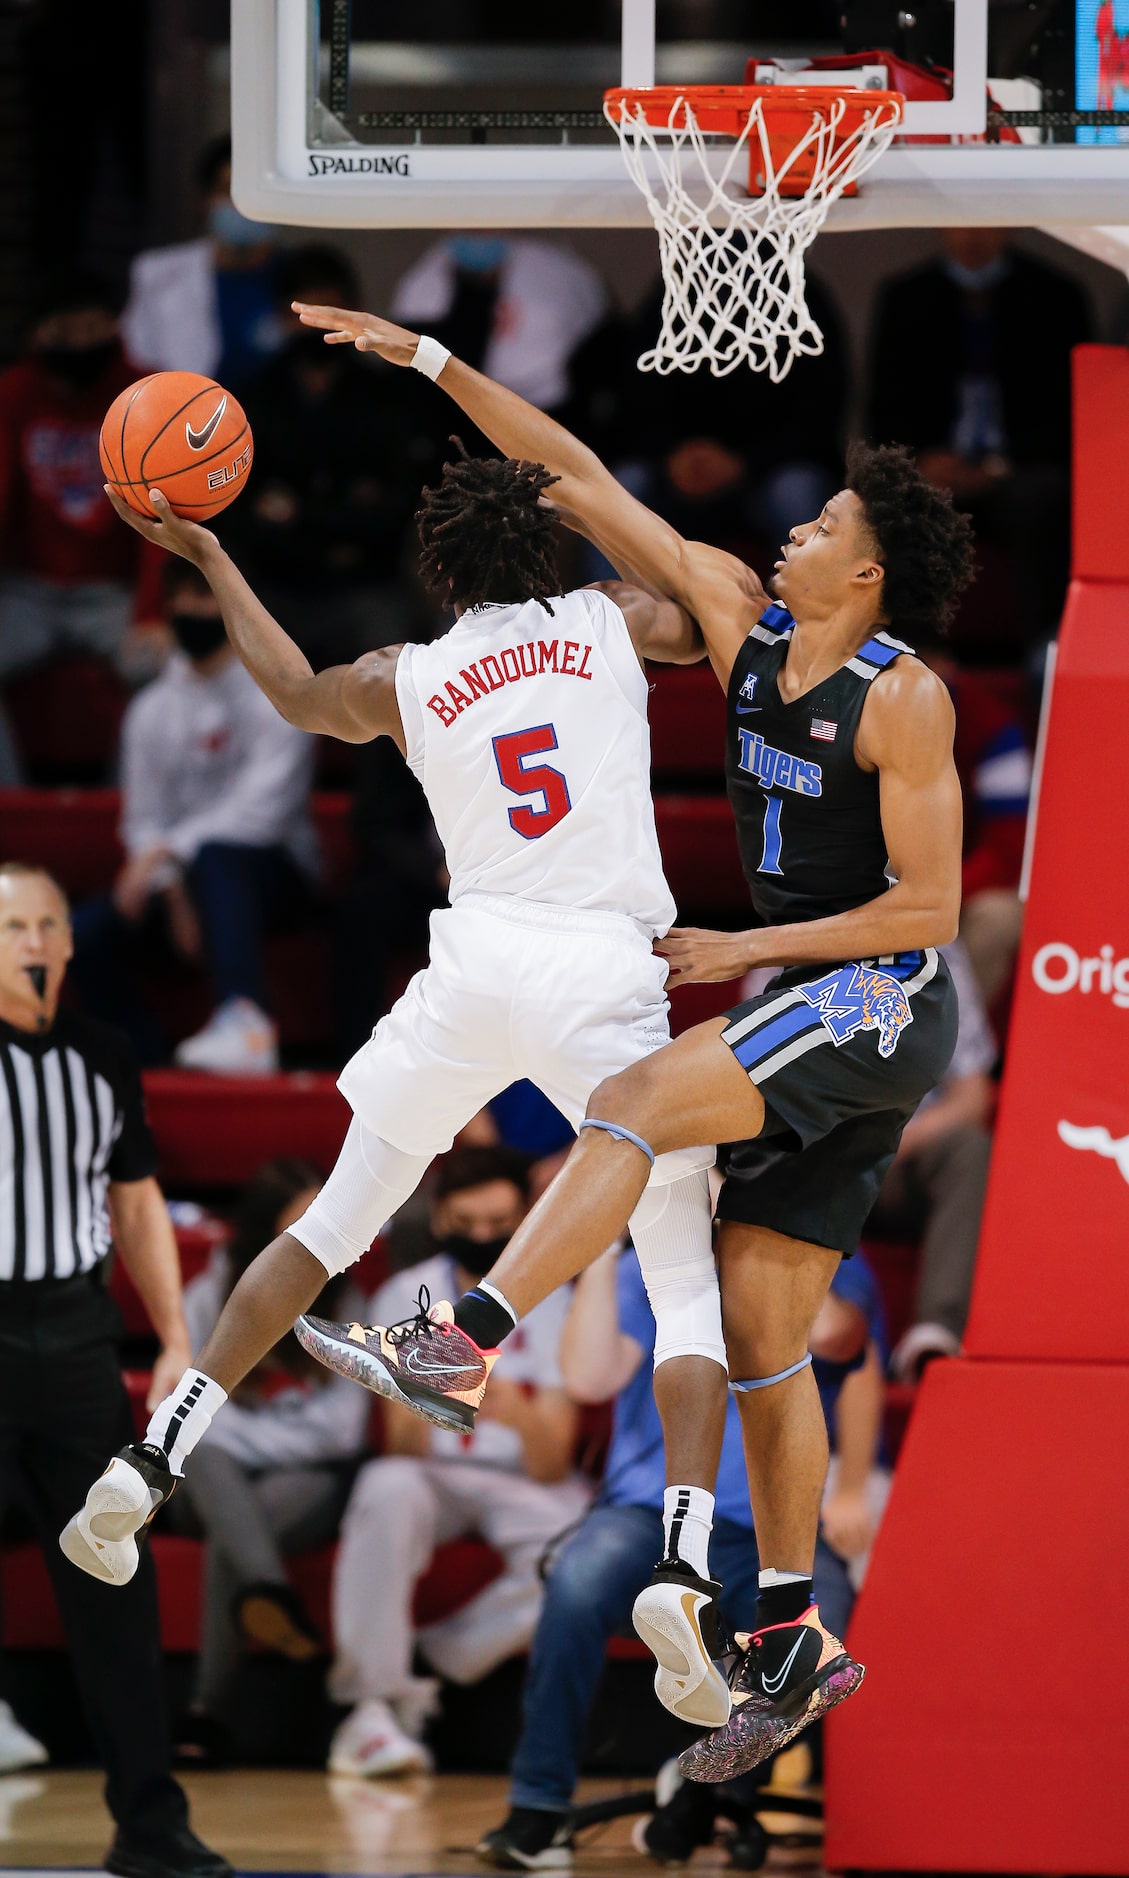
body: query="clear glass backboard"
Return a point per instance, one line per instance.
(438, 113)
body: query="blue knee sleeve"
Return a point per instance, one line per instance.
(766, 1382)
(619, 1133)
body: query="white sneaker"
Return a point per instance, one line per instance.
(102, 1538)
(17, 1748)
(237, 1040)
(371, 1742)
(920, 1344)
(416, 1705)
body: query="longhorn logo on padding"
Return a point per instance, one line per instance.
(1097, 1141)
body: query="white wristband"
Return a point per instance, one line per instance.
(429, 357)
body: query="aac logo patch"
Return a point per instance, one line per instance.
(854, 998)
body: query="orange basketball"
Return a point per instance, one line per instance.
(180, 433)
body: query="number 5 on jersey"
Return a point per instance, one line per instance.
(512, 754)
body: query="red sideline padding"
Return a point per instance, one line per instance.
(458, 1573)
(686, 709)
(216, 1131)
(990, 1733)
(73, 832)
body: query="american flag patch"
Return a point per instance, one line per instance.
(824, 729)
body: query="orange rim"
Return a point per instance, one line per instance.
(723, 110)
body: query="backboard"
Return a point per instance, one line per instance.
(336, 123)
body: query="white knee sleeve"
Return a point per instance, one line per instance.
(672, 1230)
(370, 1182)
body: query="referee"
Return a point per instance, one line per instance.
(77, 1164)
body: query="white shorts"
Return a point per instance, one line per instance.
(514, 989)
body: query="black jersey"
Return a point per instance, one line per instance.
(808, 822)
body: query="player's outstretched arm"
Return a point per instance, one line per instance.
(906, 734)
(723, 595)
(354, 703)
(660, 629)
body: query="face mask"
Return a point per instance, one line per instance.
(226, 224)
(79, 366)
(478, 254)
(199, 635)
(977, 279)
(476, 1256)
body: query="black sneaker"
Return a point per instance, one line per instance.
(530, 1840)
(787, 1676)
(426, 1362)
(675, 1831)
(274, 1616)
(177, 1853)
(103, 1538)
(200, 1741)
(677, 1618)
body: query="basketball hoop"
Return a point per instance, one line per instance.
(732, 240)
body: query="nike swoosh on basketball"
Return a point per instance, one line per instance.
(196, 439)
(772, 1685)
(438, 1369)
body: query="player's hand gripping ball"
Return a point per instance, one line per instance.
(181, 433)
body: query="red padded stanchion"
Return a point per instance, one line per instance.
(990, 1734)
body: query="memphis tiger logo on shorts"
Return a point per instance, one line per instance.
(854, 998)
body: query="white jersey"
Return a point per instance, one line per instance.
(528, 731)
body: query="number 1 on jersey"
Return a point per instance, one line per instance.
(770, 859)
(511, 754)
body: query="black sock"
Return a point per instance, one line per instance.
(481, 1316)
(783, 1604)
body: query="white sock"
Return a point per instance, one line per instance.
(687, 1524)
(178, 1422)
(492, 1291)
(768, 1578)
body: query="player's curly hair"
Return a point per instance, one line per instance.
(923, 543)
(485, 535)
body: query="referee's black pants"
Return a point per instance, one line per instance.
(63, 1414)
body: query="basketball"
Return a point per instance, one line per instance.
(181, 433)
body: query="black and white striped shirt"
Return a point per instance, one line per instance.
(72, 1119)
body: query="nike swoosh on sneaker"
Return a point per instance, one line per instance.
(438, 1369)
(196, 439)
(772, 1685)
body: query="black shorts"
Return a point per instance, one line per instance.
(842, 1055)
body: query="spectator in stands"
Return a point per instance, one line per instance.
(606, 1348)
(971, 368)
(738, 458)
(849, 1348)
(341, 446)
(77, 1167)
(937, 1183)
(993, 758)
(66, 567)
(216, 828)
(269, 1476)
(207, 305)
(511, 1482)
(517, 309)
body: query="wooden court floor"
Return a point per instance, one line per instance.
(277, 1821)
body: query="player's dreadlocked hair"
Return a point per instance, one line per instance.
(923, 543)
(485, 535)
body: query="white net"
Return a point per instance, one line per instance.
(733, 263)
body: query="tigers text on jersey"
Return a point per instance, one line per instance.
(809, 824)
(528, 731)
